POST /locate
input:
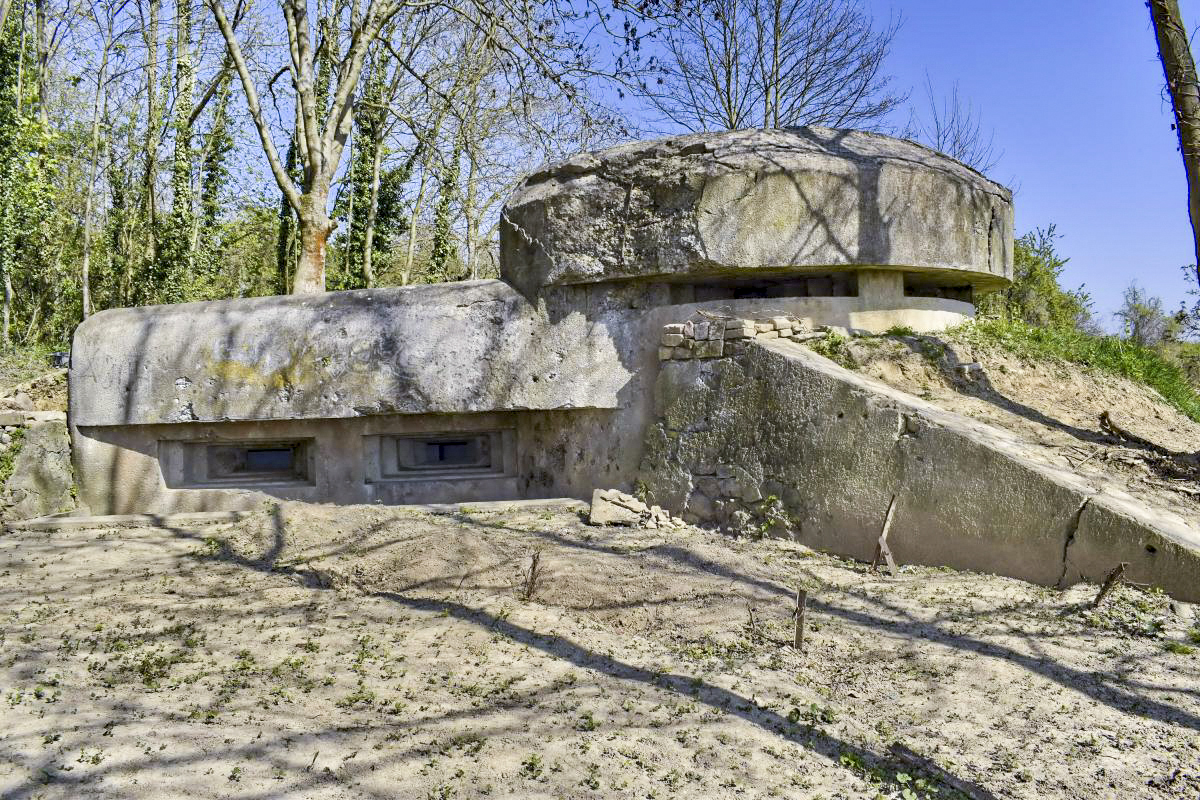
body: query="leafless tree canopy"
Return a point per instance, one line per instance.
(954, 126)
(774, 63)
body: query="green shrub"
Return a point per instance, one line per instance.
(21, 364)
(1035, 297)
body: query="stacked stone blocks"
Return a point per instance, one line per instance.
(718, 337)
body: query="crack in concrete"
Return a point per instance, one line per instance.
(1071, 540)
(990, 235)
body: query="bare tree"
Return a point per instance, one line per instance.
(1143, 318)
(1179, 68)
(319, 144)
(955, 127)
(732, 64)
(548, 39)
(104, 15)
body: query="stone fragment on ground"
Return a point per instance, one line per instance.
(16, 402)
(614, 507)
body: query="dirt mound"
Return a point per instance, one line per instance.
(48, 391)
(1109, 429)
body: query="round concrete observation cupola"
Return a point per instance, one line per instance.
(853, 213)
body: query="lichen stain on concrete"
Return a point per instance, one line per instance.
(306, 370)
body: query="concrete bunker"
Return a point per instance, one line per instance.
(541, 383)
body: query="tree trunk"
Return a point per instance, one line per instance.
(368, 265)
(153, 123)
(21, 65)
(315, 227)
(7, 236)
(43, 60)
(1180, 70)
(284, 260)
(320, 144)
(418, 201)
(472, 220)
(183, 256)
(89, 192)
(8, 296)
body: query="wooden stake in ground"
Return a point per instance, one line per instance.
(753, 624)
(801, 601)
(1112, 580)
(532, 576)
(881, 548)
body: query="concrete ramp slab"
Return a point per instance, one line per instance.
(782, 441)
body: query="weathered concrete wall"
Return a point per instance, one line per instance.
(783, 441)
(414, 358)
(431, 359)
(593, 244)
(448, 348)
(555, 454)
(747, 201)
(41, 482)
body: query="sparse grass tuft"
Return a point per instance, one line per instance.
(532, 766)
(532, 577)
(1132, 612)
(835, 348)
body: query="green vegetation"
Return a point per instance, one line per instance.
(21, 364)
(8, 456)
(129, 173)
(834, 347)
(1110, 354)
(1037, 319)
(1131, 612)
(532, 766)
(1036, 297)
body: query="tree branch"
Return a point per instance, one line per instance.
(239, 61)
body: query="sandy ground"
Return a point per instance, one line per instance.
(1056, 405)
(319, 652)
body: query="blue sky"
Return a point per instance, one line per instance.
(1072, 90)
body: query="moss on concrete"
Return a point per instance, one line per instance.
(8, 457)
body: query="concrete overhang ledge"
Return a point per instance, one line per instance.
(448, 348)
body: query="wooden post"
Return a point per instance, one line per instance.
(1112, 580)
(801, 600)
(881, 547)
